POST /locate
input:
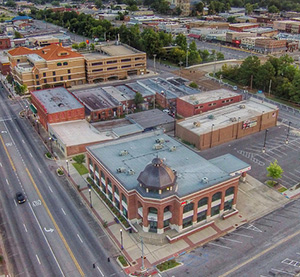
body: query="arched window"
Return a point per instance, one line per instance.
(188, 207)
(229, 191)
(152, 210)
(202, 202)
(217, 196)
(116, 190)
(58, 64)
(65, 63)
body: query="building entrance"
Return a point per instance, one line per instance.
(153, 226)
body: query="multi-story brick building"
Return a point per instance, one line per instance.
(227, 123)
(155, 181)
(190, 105)
(56, 105)
(114, 61)
(4, 42)
(50, 66)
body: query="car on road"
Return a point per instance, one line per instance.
(234, 87)
(20, 198)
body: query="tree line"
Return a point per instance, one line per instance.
(148, 40)
(279, 76)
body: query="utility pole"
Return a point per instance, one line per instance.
(270, 87)
(187, 57)
(154, 55)
(142, 243)
(251, 81)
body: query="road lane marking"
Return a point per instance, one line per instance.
(261, 253)
(1, 164)
(30, 155)
(55, 225)
(79, 238)
(37, 257)
(232, 240)
(10, 160)
(40, 170)
(23, 141)
(16, 203)
(222, 246)
(7, 182)
(100, 271)
(281, 271)
(63, 211)
(242, 235)
(50, 189)
(25, 227)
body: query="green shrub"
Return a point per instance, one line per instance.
(60, 172)
(80, 159)
(193, 85)
(167, 265)
(49, 155)
(122, 261)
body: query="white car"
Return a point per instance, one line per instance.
(234, 87)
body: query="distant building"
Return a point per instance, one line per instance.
(158, 183)
(56, 105)
(227, 123)
(42, 41)
(114, 62)
(240, 27)
(4, 42)
(4, 64)
(50, 66)
(206, 101)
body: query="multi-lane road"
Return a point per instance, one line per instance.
(53, 233)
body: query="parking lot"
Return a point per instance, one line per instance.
(250, 150)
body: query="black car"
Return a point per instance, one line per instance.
(20, 197)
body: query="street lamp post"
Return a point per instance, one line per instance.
(211, 134)
(67, 161)
(264, 147)
(288, 133)
(51, 148)
(154, 64)
(90, 193)
(237, 131)
(121, 233)
(37, 126)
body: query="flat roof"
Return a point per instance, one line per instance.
(221, 117)
(127, 130)
(130, 94)
(150, 119)
(94, 56)
(208, 96)
(79, 132)
(117, 50)
(194, 173)
(57, 100)
(115, 93)
(96, 98)
(141, 89)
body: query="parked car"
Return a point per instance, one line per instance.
(20, 197)
(235, 87)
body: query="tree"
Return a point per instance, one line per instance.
(9, 78)
(138, 98)
(273, 9)
(193, 85)
(180, 40)
(98, 4)
(55, 3)
(151, 42)
(18, 35)
(274, 171)
(231, 19)
(249, 8)
(82, 45)
(248, 68)
(199, 7)
(80, 159)
(75, 46)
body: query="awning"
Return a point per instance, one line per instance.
(33, 108)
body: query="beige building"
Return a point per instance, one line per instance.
(50, 66)
(114, 61)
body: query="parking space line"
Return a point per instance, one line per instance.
(281, 271)
(242, 235)
(222, 246)
(293, 174)
(273, 153)
(291, 262)
(232, 240)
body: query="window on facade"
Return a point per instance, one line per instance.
(188, 221)
(61, 78)
(36, 76)
(54, 79)
(229, 191)
(116, 190)
(202, 202)
(217, 196)
(125, 66)
(65, 63)
(110, 196)
(215, 210)
(38, 83)
(110, 62)
(69, 77)
(152, 210)
(18, 60)
(201, 216)
(166, 209)
(97, 70)
(45, 81)
(44, 74)
(58, 64)
(228, 205)
(69, 71)
(112, 68)
(109, 182)
(125, 213)
(125, 60)
(54, 73)
(139, 64)
(95, 64)
(188, 207)
(124, 199)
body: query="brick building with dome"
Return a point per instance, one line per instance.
(160, 184)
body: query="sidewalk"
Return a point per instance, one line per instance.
(259, 200)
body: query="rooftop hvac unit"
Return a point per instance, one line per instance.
(121, 169)
(242, 106)
(160, 140)
(157, 146)
(211, 116)
(233, 119)
(196, 124)
(123, 153)
(172, 148)
(204, 180)
(130, 172)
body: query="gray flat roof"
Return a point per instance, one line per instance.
(57, 100)
(118, 50)
(242, 111)
(96, 98)
(190, 167)
(129, 129)
(156, 87)
(115, 93)
(126, 91)
(141, 89)
(208, 96)
(150, 119)
(79, 132)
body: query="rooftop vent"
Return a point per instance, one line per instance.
(204, 180)
(233, 119)
(123, 153)
(196, 124)
(160, 140)
(157, 146)
(130, 172)
(172, 148)
(121, 169)
(242, 106)
(211, 116)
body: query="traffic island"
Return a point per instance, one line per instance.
(167, 265)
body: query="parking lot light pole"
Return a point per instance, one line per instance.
(121, 233)
(211, 134)
(90, 193)
(37, 126)
(51, 148)
(67, 161)
(264, 147)
(288, 133)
